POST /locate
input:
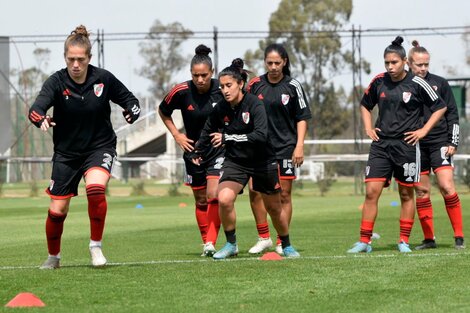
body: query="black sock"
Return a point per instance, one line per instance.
(285, 241)
(231, 236)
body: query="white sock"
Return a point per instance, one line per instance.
(95, 243)
(57, 256)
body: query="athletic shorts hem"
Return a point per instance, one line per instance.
(287, 177)
(64, 197)
(445, 167)
(97, 168)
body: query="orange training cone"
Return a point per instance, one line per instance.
(271, 256)
(25, 299)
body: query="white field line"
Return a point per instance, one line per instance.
(237, 259)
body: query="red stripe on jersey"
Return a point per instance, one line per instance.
(35, 117)
(381, 75)
(252, 82)
(176, 89)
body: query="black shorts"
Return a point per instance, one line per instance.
(393, 156)
(67, 173)
(265, 178)
(433, 156)
(196, 176)
(286, 169)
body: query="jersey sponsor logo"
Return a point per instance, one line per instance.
(66, 93)
(226, 120)
(382, 95)
(285, 99)
(51, 185)
(260, 96)
(190, 107)
(98, 88)
(406, 96)
(246, 117)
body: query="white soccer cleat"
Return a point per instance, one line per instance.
(279, 249)
(208, 249)
(97, 257)
(51, 263)
(262, 245)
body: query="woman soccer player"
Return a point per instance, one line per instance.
(239, 122)
(288, 112)
(196, 99)
(400, 97)
(437, 149)
(84, 139)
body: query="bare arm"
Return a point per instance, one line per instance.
(298, 155)
(371, 132)
(414, 136)
(184, 142)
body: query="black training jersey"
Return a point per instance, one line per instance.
(285, 104)
(195, 107)
(81, 111)
(447, 129)
(245, 131)
(400, 103)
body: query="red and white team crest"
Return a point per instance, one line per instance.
(406, 96)
(246, 117)
(285, 99)
(98, 88)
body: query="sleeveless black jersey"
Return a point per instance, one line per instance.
(245, 131)
(285, 104)
(400, 103)
(81, 111)
(447, 129)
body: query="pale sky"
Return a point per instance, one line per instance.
(49, 17)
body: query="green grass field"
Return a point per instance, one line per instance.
(155, 264)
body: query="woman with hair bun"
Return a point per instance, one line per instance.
(196, 99)
(83, 137)
(437, 150)
(400, 97)
(239, 123)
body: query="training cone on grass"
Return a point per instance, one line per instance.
(25, 299)
(270, 256)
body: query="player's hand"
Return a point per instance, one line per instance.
(413, 137)
(184, 142)
(298, 156)
(372, 133)
(450, 151)
(46, 123)
(216, 140)
(131, 115)
(197, 160)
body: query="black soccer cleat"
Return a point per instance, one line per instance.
(459, 244)
(427, 244)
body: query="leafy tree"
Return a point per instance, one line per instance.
(161, 51)
(310, 31)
